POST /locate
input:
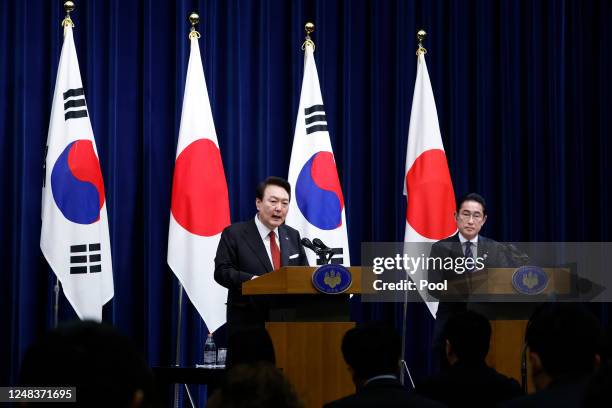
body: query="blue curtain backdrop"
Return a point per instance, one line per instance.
(524, 99)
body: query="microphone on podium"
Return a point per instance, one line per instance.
(308, 244)
(319, 248)
(319, 244)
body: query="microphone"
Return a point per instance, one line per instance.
(514, 256)
(319, 244)
(306, 242)
(324, 250)
(319, 248)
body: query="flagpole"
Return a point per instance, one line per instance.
(56, 289)
(194, 18)
(309, 27)
(421, 34)
(69, 6)
(177, 362)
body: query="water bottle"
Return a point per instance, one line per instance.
(210, 352)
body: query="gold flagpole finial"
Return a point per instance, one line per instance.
(309, 27)
(69, 7)
(194, 18)
(421, 35)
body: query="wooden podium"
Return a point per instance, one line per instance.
(509, 319)
(307, 327)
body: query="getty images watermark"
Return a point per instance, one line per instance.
(411, 265)
(495, 272)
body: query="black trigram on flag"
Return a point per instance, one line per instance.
(84, 257)
(315, 119)
(74, 104)
(337, 257)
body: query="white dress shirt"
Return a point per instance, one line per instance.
(474, 242)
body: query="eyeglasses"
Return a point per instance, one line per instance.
(466, 215)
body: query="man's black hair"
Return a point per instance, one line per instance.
(249, 346)
(103, 365)
(258, 385)
(469, 334)
(272, 181)
(566, 336)
(473, 197)
(371, 350)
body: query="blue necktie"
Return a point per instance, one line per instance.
(469, 254)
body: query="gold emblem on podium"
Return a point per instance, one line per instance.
(332, 279)
(530, 280)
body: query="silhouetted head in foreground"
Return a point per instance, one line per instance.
(102, 364)
(563, 341)
(371, 350)
(258, 385)
(249, 346)
(467, 336)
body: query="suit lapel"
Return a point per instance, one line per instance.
(283, 238)
(456, 248)
(254, 241)
(463, 281)
(486, 245)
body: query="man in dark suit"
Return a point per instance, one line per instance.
(468, 382)
(475, 252)
(563, 341)
(252, 248)
(373, 355)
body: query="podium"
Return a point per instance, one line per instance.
(510, 312)
(306, 328)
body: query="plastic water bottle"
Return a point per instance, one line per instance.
(210, 352)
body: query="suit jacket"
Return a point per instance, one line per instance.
(493, 255)
(567, 393)
(385, 392)
(470, 385)
(491, 251)
(241, 254)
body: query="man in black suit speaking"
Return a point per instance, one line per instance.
(252, 248)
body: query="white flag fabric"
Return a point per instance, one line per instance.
(74, 236)
(317, 206)
(427, 184)
(200, 203)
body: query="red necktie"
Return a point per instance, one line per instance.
(274, 251)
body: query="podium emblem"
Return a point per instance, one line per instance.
(529, 280)
(331, 279)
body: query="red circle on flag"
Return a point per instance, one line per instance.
(200, 202)
(431, 199)
(325, 175)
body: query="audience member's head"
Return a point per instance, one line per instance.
(598, 392)
(258, 385)
(248, 346)
(371, 350)
(467, 336)
(599, 389)
(563, 341)
(606, 347)
(102, 364)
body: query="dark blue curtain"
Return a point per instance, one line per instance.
(524, 99)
